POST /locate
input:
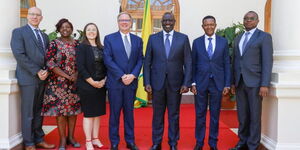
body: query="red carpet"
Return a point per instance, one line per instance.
(143, 117)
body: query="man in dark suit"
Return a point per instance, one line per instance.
(211, 78)
(167, 74)
(29, 44)
(123, 58)
(253, 61)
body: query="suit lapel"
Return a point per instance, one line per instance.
(32, 36)
(120, 40)
(251, 40)
(237, 43)
(216, 50)
(174, 41)
(162, 42)
(133, 44)
(203, 46)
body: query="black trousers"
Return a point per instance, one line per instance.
(162, 99)
(249, 105)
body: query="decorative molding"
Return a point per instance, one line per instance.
(11, 142)
(268, 142)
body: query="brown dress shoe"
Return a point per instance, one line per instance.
(29, 147)
(45, 145)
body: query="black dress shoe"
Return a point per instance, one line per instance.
(132, 146)
(239, 147)
(213, 148)
(114, 147)
(156, 147)
(198, 147)
(173, 147)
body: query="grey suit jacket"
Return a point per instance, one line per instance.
(30, 58)
(255, 65)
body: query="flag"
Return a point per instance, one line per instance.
(141, 94)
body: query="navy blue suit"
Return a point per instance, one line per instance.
(211, 75)
(121, 96)
(166, 75)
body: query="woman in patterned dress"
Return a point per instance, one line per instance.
(60, 97)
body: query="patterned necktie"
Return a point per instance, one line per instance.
(167, 45)
(245, 41)
(39, 39)
(127, 46)
(210, 48)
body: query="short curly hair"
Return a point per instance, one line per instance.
(61, 22)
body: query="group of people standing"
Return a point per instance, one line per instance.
(65, 77)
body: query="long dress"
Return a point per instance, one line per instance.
(60, 98)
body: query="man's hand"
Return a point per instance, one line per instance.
(128, 78)
(43, 74)
(194, 89)
(226, 90)
(73, 77)
(232, 89)
(264, 91)
(184, 89)
(148, 88)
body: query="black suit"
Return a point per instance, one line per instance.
(252, 70)
(30, 59)
(166, 75)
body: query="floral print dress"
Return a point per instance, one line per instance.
(60, 98)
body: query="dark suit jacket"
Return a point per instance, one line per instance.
(255, 65)
(117, 62)
(177, 67)
(30, 58)
(218, 66)
(85, 60)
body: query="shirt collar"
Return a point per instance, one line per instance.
(213, 36)
(32, 27)
(122, 34)
(251, 31)
(171, 32)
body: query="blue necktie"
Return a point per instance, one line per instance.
(210, 48)
(39, 39)
(245, 42)
(167, 45)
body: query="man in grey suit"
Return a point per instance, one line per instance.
(28, 44)
(252, 67)
(167, 74)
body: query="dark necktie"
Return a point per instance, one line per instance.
(245, 42)
(210, 48)
(39, 39)
(167, 45)
(127, 46)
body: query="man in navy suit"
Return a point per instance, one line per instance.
(253, 62)
(123, 58)
(167, 74)
(28, 45)
(211, 79)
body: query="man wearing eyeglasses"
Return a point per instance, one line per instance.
(28, 45)
(252, 67)
(123, 58)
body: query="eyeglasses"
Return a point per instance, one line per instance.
(124, 20)
(250, 18)
(34, 14)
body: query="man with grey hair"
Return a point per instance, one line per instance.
(28, 45)
(123, 58)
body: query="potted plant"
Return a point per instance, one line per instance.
(228, 101)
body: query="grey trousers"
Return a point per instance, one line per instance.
(31, 119)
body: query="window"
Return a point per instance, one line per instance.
(158, 8)
(25, 5)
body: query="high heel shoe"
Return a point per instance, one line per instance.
(96, 142)
(73, 143)
(89, 145)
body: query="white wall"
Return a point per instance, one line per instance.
(79, 12)
(104, 12)
(226, 12)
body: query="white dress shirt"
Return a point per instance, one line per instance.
(213, 41)
(243, 38)
(33, 30)
(170, 36)
(123, 38)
